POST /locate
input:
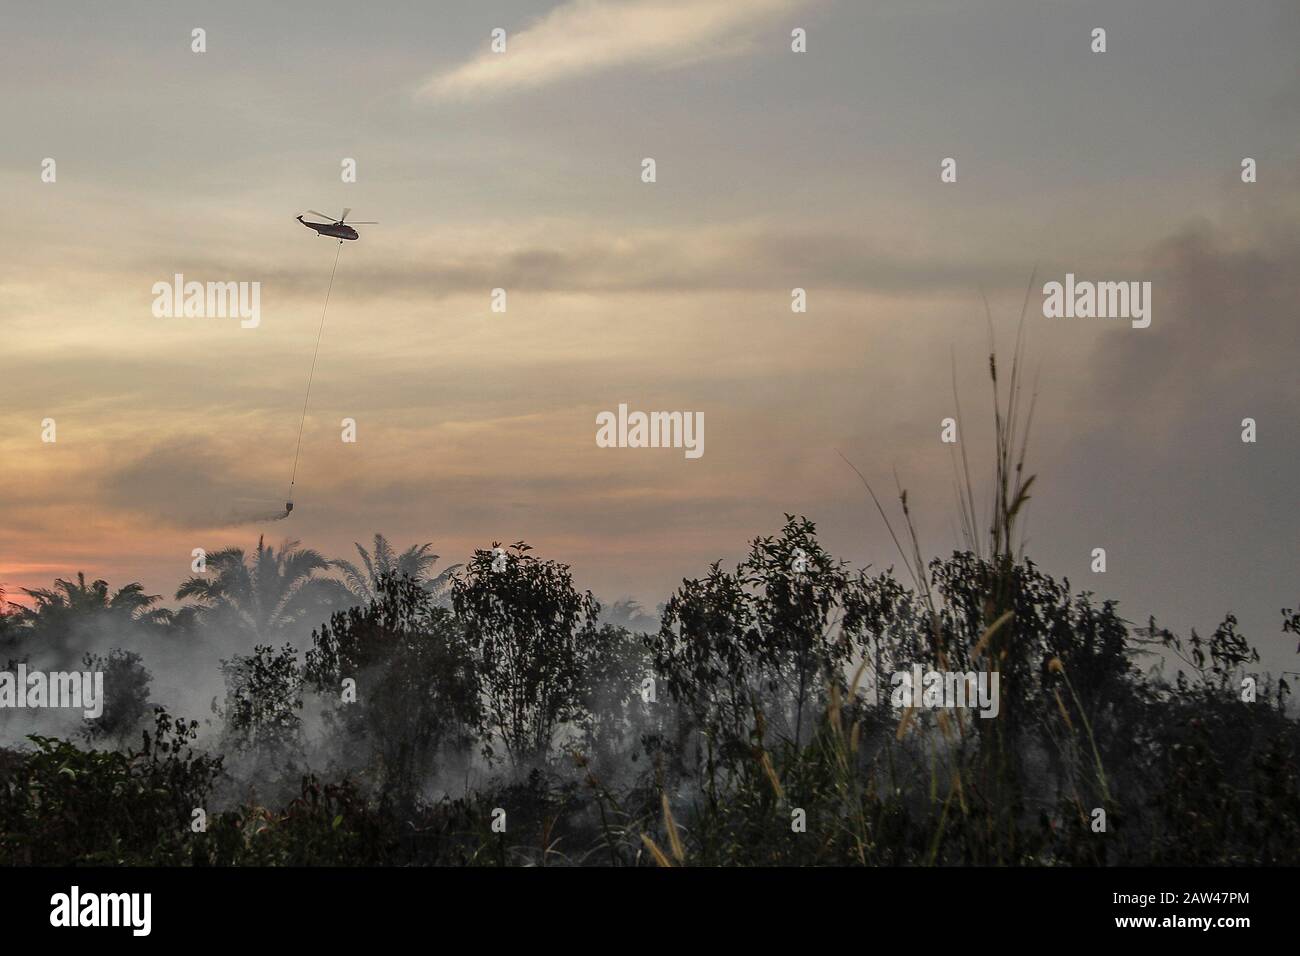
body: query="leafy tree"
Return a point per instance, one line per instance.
(126, 693)
(1291, 623)
(263, 698)
(614, 718)
(534, 638)
(61, 804)
(763, 640)
(416, 690)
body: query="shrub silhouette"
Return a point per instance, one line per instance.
(773, 695)
(762, 700)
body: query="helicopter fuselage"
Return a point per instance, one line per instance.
(333, 229)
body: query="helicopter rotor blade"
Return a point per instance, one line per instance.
(345, 214)
(322, 215)
(363, 222)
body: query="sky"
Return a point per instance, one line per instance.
(775, 170)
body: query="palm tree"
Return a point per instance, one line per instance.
(266, 594)
(71, 604)
(628, 613)
(415, 562)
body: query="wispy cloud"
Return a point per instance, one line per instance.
(585, 36)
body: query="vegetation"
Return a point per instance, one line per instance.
(492, 719)
(262, 594)
(416, 562)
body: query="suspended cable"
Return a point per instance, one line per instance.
(310, 375)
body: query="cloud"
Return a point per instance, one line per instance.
(586, 36)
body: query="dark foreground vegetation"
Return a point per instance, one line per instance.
(492, 716)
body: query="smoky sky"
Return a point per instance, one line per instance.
(775, 170)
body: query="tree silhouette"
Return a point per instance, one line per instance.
(415, 677)
(75, 604)
(265, 594)
(383, 562)
(534, 636)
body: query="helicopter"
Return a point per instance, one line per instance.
(335, 228)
